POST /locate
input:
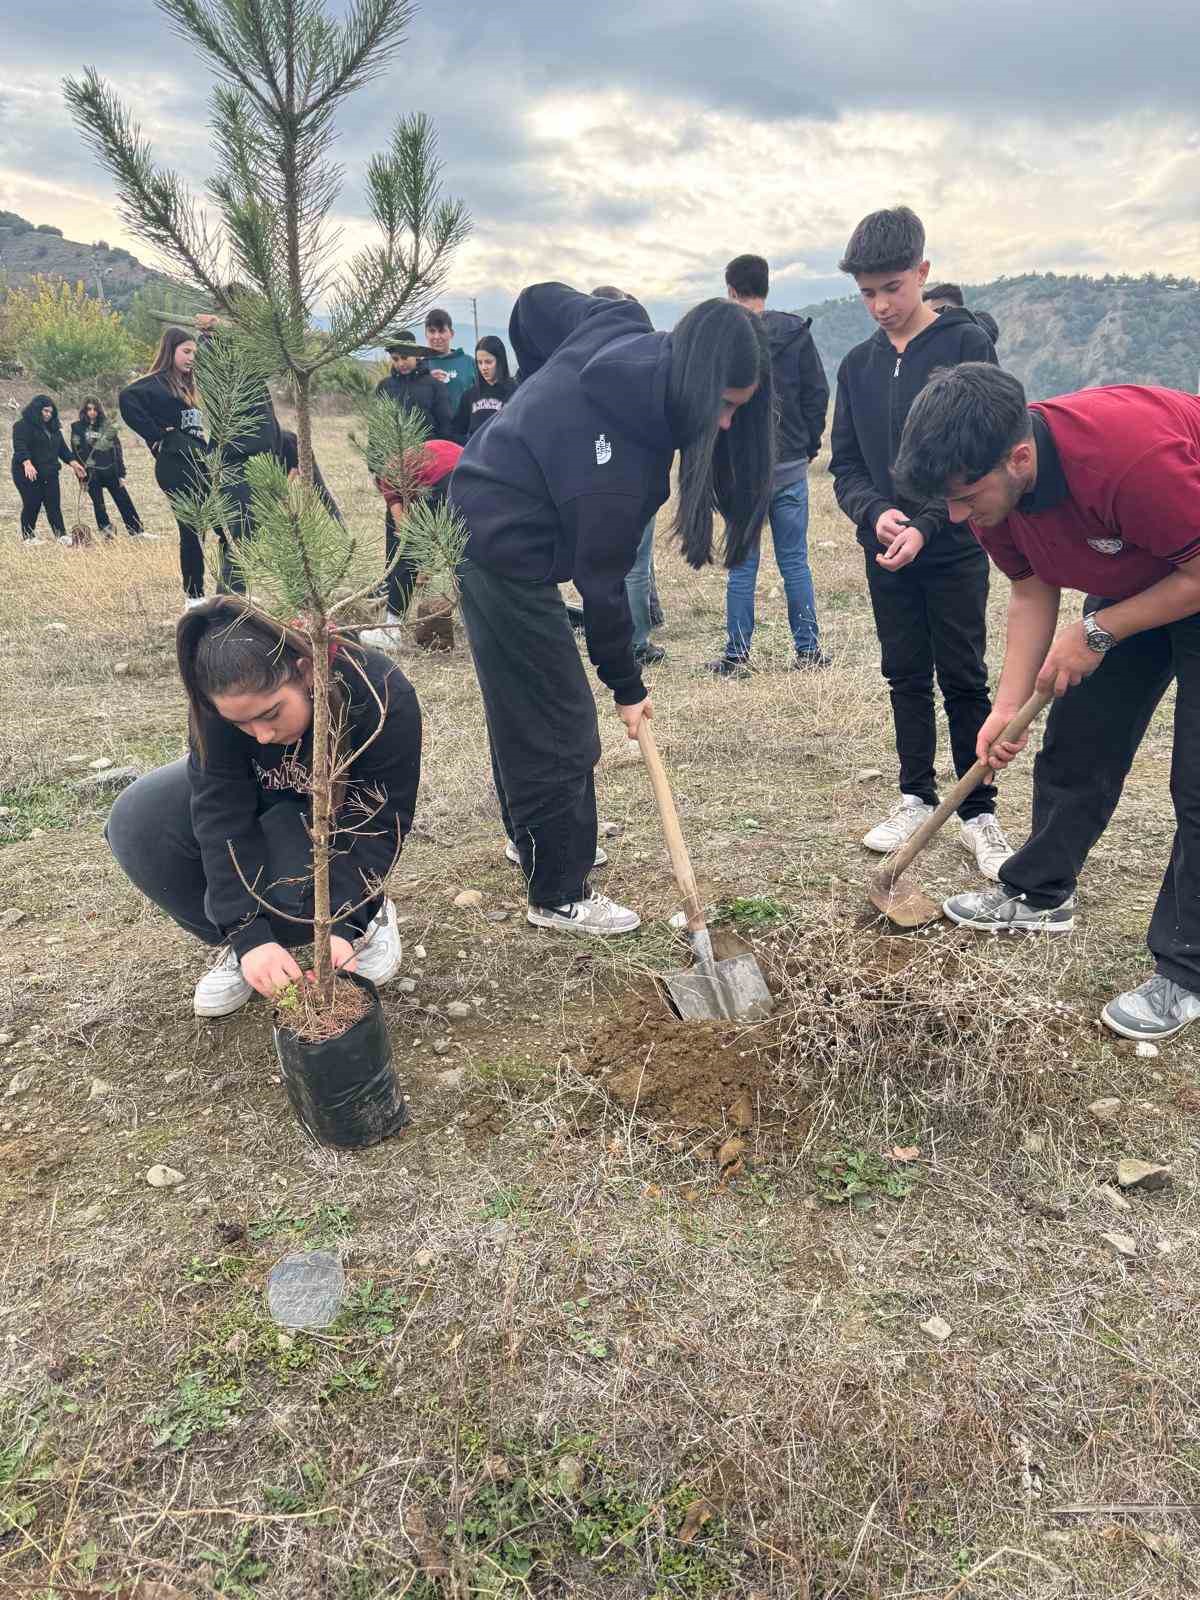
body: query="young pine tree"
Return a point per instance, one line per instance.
(283, 69)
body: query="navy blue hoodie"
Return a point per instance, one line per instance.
(561, 484)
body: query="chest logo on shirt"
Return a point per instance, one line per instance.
(1107, 547)
(603, 450)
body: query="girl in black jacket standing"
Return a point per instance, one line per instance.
(484, 399)
(163, 408)
(238, 808)
(98, 448)
(560, 486)
(39, 450)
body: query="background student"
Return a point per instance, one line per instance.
(941, 296)
(98, 447)
(801, 402)
(244, 787)
(452, 368)
(488, 395)
(39, 450)
(560, 487)
(927, 577)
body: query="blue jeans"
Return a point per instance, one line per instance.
(789, 533)
(637, 587)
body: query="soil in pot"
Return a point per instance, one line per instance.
(342, 1086)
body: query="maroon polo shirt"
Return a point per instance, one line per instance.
(1116, 505)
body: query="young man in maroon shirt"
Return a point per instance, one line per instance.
(1098, 491)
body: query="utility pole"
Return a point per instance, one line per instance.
(475, 314)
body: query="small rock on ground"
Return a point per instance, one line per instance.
(110, 778)
(612, 830)
(423, 1258)
(99, 1089)
(10, 918)
(1122, 1245)
(1145, 1049)
(407, 985)
(452, 1078)
(441, 1047)
(100, 763)
(1115, 1202)
(1105, 1112)
(937, 1329)
(1142, 1175)
(163, 1177)
(469, 899)
(868, 775)
(458, 1010)
(20, 1082)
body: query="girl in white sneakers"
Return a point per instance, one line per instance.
(244, 791)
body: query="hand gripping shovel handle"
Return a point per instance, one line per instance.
(681, 862)
(970, 781)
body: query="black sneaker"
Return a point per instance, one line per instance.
(649, 655)
(811, 660)
(657, 620)
(729, 667)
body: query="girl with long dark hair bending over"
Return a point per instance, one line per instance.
(236, 810)
(560, 486)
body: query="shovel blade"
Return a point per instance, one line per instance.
(737, 993)
(903, 903)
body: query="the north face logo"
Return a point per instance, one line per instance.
(1107, 547)
(603, 451)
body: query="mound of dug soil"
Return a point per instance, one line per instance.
(699, 1076)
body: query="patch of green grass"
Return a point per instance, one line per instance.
(237, 1570)
(859, 1178)
(246, 1337)
(359, 1378)
(371, 1309)
(23, 1466)
(223, 1269)
(325, 1225)
(36, 805)
(753, 912)
(506, 1200)
(197, 1407)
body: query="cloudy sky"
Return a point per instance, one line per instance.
(644, 142)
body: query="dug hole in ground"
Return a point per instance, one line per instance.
(824, 1306)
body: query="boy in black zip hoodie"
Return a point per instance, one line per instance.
(928, 585)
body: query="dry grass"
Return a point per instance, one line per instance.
(567, 1328)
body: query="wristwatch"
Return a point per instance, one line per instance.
(1097, 639)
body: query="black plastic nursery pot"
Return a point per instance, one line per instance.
(344, 1091)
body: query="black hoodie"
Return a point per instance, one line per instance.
(105, 461)
(240, 778)
(801, 388)
(875, 388)
(563, 482)
(479, 404)
(38, 441)
(420, 391)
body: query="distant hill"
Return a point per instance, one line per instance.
(1061, 333)
(26, 250)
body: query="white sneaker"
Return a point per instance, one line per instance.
(63, 539)
(29, 543)
(596, 915)
(984, 839)
(512, 854)
(192, 601)
(382, 638)
(899, 825)
(379, 955)
(222, 990)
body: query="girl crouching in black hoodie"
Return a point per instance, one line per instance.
(39, 450)
(243, 793)
(484, 399)
(560, 486)
(98, 447)
(164, 409)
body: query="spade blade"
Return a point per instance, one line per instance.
(902, 902)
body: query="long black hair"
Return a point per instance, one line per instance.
(91, 400)
(719, 346)
(33, 411)
(495, 347)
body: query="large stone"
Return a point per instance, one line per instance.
(1142, 1175)
(163, 1177)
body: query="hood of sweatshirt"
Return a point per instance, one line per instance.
(954, 317)
(783, 328)
(551, 315)
(33, 411)
(627, 381)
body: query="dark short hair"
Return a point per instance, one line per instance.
(608, 291)
(963, 424)
(885, 241)
(437, 318)
(945, 291)
(749, 277)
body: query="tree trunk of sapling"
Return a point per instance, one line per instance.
(322, 811)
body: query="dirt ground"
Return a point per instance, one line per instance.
(634, 1308)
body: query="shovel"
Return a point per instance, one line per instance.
(733, 988)
(904, 903)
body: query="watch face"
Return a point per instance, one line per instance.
(1097, 638)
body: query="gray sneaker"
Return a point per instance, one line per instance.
(999, 911)
(1156, 1009)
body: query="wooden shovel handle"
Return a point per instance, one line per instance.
(970, 781)
(681, 862)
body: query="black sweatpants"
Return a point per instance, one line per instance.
(402, 578)
(542, 728)
(41, 493)
(179, 470)
(931, 618)
(149, 831)
(97, 486)
(1092, 736)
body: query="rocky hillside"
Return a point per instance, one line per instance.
(26, 250)
(1061, 333)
